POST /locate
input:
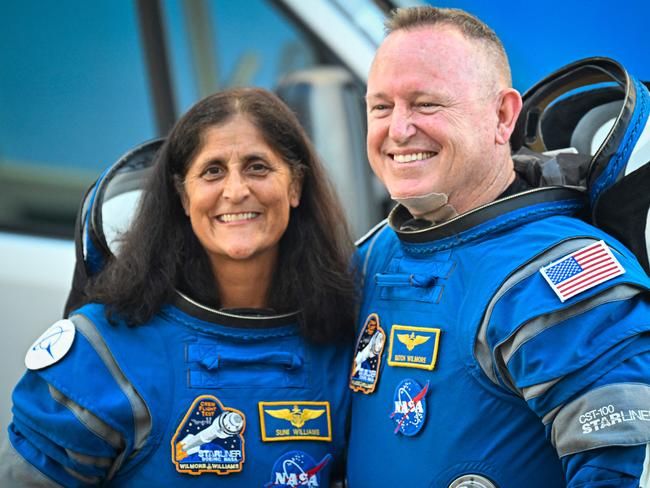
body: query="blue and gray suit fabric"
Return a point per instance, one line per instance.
(195, 397)
(509, 347)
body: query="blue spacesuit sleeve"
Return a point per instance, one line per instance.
(47, 433)
(618, 467)
(582, 366)
(72, 422)
(613, 465)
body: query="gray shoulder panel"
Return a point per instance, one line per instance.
(613, 415)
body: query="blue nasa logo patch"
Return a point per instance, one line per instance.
(297, 468)
(409, 407)
(209, 439)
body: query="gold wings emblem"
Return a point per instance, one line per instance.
(296, 416)
(411, 340)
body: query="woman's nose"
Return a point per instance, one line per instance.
(235, 187)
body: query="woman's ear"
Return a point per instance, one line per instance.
(295, 191)
(508, 109)
(179, 184)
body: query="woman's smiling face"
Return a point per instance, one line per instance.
(238, 193)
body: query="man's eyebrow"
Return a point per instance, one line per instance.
(378, 95)
(413, 94)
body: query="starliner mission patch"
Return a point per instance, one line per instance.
(367, 356)
(209, 439)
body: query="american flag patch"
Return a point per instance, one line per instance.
(581, 270)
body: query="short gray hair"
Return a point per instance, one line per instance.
(469, 25)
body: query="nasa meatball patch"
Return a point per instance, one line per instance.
(209, 439)
(297, 468)
(367, 356)
(409, 407)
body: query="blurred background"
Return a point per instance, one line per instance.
(83, 82)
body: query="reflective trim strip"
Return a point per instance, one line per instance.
(141, 415)
(613, 415)
(370, 248)
(93, 423)
(97, 462)
(89, 480)
(16, 471)
(538, 389)
(369, 234)
(550, 416)
(503, 352)
(482, 350)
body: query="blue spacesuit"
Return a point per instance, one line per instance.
(508, 347)
(228, 398)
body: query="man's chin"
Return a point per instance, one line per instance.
(432, 206)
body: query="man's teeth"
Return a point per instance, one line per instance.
(237, 216)
(407, 158)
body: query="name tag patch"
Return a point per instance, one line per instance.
(367, 356)
(285, 421)
(209, 439)
(413, 347)
(409, 407)
(297, 468)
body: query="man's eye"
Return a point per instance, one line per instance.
(428, 105)
(380, 106)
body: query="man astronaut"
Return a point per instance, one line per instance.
(528, 363)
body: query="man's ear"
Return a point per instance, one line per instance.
(508, 109)
(180, 189)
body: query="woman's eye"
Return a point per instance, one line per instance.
(212, 172)
(258, 168)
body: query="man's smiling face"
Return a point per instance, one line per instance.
(432, 114)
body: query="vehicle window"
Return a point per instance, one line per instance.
(73, 98)
(216, 44)
(75, 90)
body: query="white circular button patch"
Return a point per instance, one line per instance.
(472, 481)
(51, 346)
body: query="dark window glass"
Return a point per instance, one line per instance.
(73, 98)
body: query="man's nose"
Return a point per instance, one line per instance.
(401, 125)
(235, 187)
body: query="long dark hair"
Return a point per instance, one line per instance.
(160, 252)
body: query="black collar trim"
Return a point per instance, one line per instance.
(232, 318)
(482, 214)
